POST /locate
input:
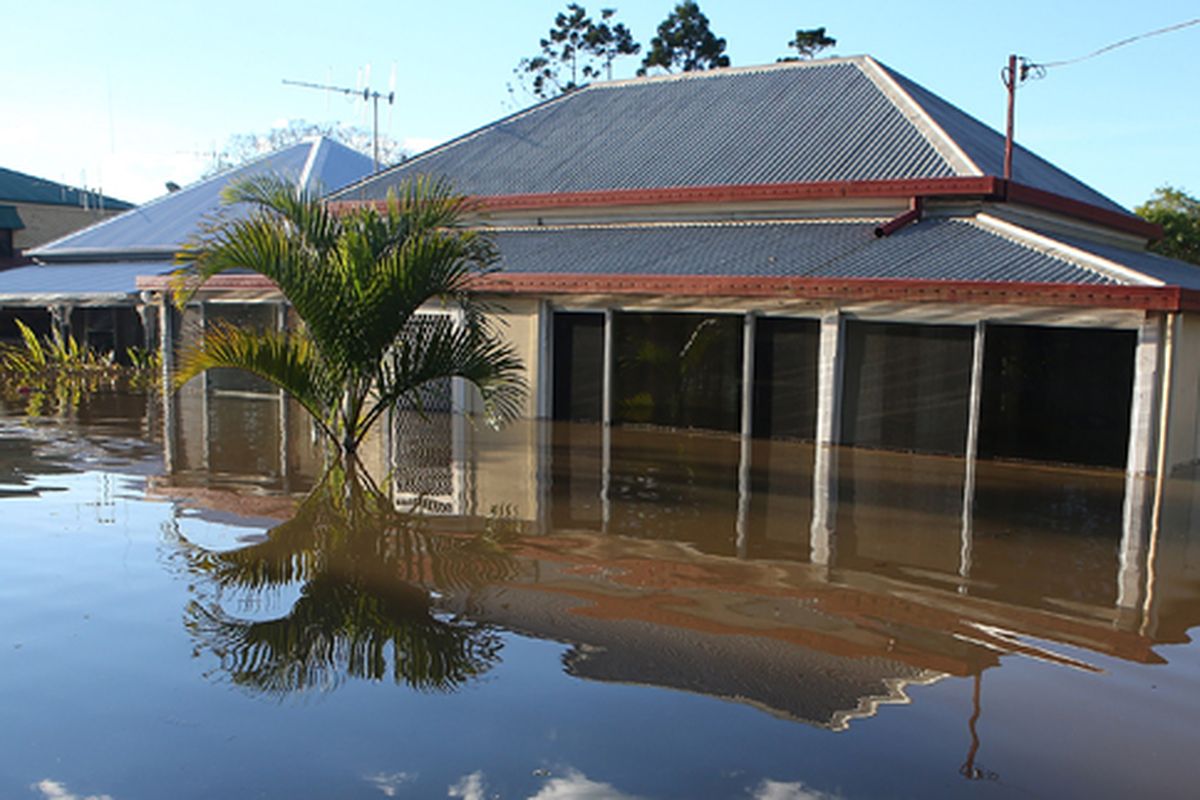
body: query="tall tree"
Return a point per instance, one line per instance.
(610, 42)
(575, 51)
(685, 41)
(807, 43)
(1179, 215)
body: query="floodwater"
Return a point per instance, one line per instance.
(646, 613)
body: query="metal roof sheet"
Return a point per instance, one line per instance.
(163, 225)
(933, 249)
(842, 119)
(19, 187)
(77, 280)
(1167, 270)
(812, 121)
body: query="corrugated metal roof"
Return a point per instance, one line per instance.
(161, 226)
(814, 121)
(18, 187)
(933, 249)
(1167, 270)
(77, 280)
(845, 119)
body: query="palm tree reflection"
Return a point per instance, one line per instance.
(365, 609)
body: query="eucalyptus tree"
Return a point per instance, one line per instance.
(356, 280)
(575, 51)
(807, 43)
(685, 42)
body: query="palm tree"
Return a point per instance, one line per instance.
(356, 279)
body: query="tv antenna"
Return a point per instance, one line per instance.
(367, 94)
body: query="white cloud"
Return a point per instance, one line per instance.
(778, 790)
(577, 786)
(390, 783)
(53, 790)
(469, 787)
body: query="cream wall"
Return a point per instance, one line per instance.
(1183, 425)
(504, 463)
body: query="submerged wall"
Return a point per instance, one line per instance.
(1183, 425)
(1049, 385)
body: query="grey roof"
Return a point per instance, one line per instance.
(934, 249)
(19, 187)
(847, 119)
(1167, 270)
(76, 280)
(159, 227)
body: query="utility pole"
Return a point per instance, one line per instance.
(367, 94)
(1010, 83)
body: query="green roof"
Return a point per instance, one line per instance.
(10, 219)
(17, 187)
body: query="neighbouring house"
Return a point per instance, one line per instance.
(84, 282)
(820, 251)
(34, 211)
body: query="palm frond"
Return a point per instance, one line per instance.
(426, 355)
(287, 360)
(356, 280)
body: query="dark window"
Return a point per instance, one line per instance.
(6, 243)
(578, 367)
(907, 387)
(250, 316)
(1057, 394)
(679, 370)
(785, 378)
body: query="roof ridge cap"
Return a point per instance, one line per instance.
(720, 72)
(1047, 245)
(930, 130)
(306, 172)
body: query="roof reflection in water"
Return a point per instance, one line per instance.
(815, 585)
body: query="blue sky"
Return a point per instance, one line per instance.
(129, 94)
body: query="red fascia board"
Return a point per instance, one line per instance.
(987, 187)
(824, 190)
(1149, 298)
(1048, 201)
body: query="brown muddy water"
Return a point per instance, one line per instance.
(646, 613)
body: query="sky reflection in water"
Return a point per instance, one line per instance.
(647, 616)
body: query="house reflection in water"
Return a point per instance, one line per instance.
(815, 583)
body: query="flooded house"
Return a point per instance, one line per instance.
(83, 282)
(819, 253)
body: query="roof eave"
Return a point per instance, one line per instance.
(1147, 298)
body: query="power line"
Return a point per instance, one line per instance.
(1121, 43)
